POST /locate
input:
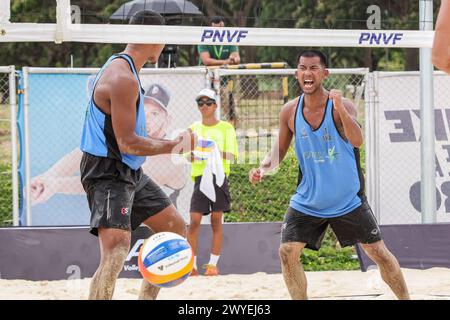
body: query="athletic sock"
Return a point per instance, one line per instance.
(195, 263)
(213, 259)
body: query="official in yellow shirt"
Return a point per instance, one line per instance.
(211, 133)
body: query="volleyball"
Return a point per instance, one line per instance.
(165, 259)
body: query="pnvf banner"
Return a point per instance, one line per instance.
(57, 106)
(398, 148)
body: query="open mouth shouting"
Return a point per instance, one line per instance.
(308, 84)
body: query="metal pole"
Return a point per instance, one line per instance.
(63, 20)
(27, 146)
(375, 157)
(427, 122)
(5, 11)
(208, 79)
(368, 125)
(216, 84)
(15, 172)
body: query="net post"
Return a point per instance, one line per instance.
(63, 20)
(25, 72)
(5, 11)
(14, 153)
(427, 121)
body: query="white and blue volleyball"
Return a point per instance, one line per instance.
(165, 259)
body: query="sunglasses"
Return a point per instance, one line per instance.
(209, 103)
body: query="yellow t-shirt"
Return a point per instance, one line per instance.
(222, 134)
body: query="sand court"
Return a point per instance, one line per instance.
(430, 284)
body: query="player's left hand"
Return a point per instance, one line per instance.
(336, 96)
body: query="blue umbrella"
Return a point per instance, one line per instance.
(163, 7)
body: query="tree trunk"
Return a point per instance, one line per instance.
(412, 59)
(193, 56)
(367, 60)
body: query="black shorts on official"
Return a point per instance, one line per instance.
(119, 197)
(202, 204)
(357, 226)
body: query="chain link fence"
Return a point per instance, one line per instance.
(6, 189)
(252, 100)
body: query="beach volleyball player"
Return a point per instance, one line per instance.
(330, 188)
(114, 145)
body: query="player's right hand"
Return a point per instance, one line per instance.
(255, 175)
(187, 141)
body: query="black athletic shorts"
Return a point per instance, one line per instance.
(119, 197)
(202, 204)
(357, 226)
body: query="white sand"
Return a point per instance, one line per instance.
(428, 284)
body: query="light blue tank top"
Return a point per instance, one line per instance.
(98, 135)
(330, 181)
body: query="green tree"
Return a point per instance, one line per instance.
(58, 55)
(340, 14)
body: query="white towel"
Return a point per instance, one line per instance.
(214, 166)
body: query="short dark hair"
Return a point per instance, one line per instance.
(217, 19)
(147, 17)
(310, 53)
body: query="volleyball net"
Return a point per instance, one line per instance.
(64, 30)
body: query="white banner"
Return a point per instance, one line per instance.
(64, 30)
(398, 147)
(188, 35)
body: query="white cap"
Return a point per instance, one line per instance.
(206, 93)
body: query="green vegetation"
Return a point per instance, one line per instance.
(5, 135)
(330, 256)
(5, 195)
(5, 168)
(266, 201)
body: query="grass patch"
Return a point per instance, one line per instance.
(5, 134)
(5, 167)
(5, 195)
(266, 201)
(330, 256)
